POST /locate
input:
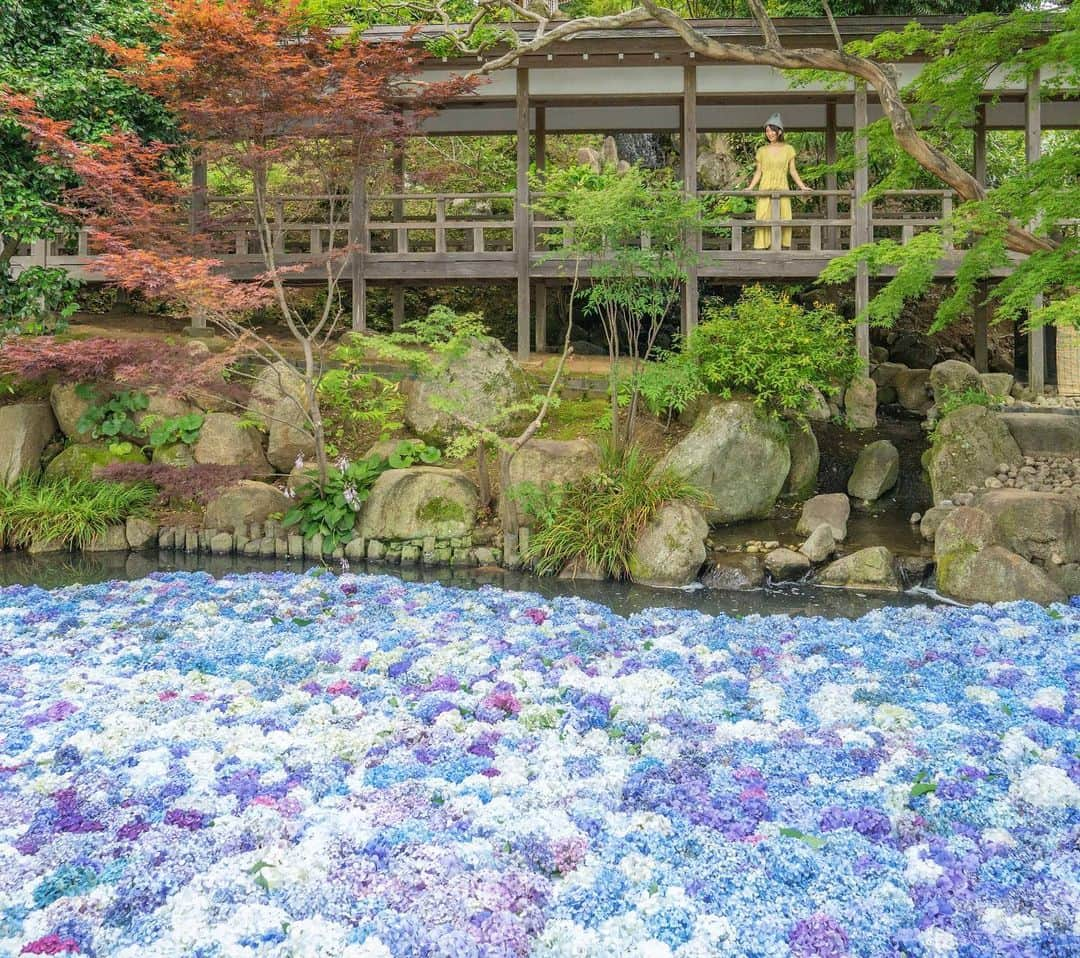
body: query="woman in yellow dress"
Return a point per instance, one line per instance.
(774, 161)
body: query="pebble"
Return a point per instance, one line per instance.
(1058, 474)
(916, 518)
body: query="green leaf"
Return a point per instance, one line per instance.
(812, 840)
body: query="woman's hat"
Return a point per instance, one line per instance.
(776, 121)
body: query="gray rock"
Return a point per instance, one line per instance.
(223, 442)
(141, 533)
(221, 544)
(872, 569)
(997, 384)
(860, 402)
(913, 390)
(355, 549)
(420, 501)
(970, 444)
(876, 471)
(820, 544)
(933, 518)
(734, 571)
(245, 502)
(994, 574)
(290, 435)
(113, 539)
(737, 456)
(579, 569)
(805, 462)
(786, 565)
(162, 406)
(274, 382)
(545, 462)
(1066, 577)
(39, 546)
(25, 431)
(952, 377)
(483, 381)
(831, 509)
(913, 569)
(879, 354)
(816, 407)
(1044, 433)
(1035, 525)
(176, 454)
(884, 375)
(670, 551)
(68, 408)
(913, 349)
(964, 529)
(84, 460)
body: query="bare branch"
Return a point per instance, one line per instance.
(832, 24)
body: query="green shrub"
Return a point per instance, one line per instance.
(331, 511)
(164, 431)
(72, 511)
(358, 406)
(957, 400)
(599, 517)
(764, 345)
(110, 417)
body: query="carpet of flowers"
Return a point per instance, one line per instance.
(350, 766)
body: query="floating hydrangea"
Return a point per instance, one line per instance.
(278, 765)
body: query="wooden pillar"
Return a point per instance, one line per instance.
(540, 134)
(358, 240)
(397, 306)
(862, 221)
(196, 223)
(832, 234)
(521, 215)
(689, 172)
(1033, 148)
(540, 294)
(982, 305)
(398, 210)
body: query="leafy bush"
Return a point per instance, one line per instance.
(72, 511)
(38, 302)
(957, 400)
(110, 417)
(599, 517)
(164, 431)
(331, 511)
(765, 345)
(358, 406)
(408, 452)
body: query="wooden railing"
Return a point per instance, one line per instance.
(423, 226)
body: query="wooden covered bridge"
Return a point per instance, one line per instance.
(628, 80)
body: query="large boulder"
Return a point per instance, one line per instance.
(969, 445)
(786, 565)
(820, 544)
(275, 382)
(736, 455)
(872, 569)
(483, 382)
(913, 390)
(243, 503)
(419, 502)
(25, 431)
(831, 509)
(84, 460)
(1044, 433)
(545, 462)
(876, 471)
(884, 375)
(913, 349)
(223, 441)
(179, 455)
(952, 377)
(860, 402)
(1035, 525)
(965, 529)
(290, 435)
(68, 408)
(670, 551)
(998, 385)
(994, 574)
(734, 571)
(805, 461)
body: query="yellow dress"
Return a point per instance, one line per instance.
(774, 166)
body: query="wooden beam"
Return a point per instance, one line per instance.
(358, 241)
(689, 164)
(541, 137)
(541, 306)
(862, 221)
(1033, 149)
(832, 234)
(521, 215)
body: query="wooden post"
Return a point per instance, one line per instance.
(540, 133)
(982, 305)
(689, 160)
(862, 221)
(541, 317)
(1033, 148)
(398, 209)
(521, 215)
(358, 239)
(196, 217)
(980, 144)
(397, 306)
(832, 234)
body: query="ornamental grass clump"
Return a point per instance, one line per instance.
(597, 518)
(70, 511)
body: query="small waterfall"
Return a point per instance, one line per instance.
(647, 149)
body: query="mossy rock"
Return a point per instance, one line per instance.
(420, 502)
(84, 459)
(178, 454)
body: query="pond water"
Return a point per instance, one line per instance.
(624, 598)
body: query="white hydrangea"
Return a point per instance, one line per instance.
(1046, 786)
(834, 704)
(937, 941)
(982, 695)
(997, 921)
(1049, 698)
